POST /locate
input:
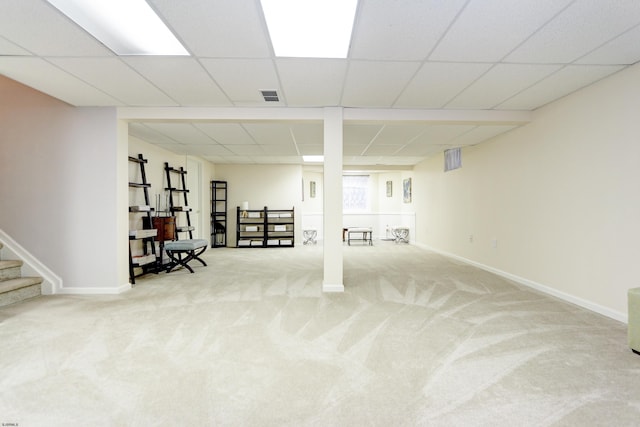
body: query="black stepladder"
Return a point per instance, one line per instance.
(183, 206)
(147, 261)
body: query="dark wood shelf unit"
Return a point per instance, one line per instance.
(265, 227)
(218, 214)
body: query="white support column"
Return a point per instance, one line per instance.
(333, 257)
(122, 204)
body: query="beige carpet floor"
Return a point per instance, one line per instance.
(250, 340)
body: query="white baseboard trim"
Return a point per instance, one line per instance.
(94, 291)
(615, 315)
(328, 287)
(51, 283)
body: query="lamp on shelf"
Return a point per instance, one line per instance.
(244, 207)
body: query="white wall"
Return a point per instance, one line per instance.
(559, 198)
(385, 212)
(58, 186)
(274, 186)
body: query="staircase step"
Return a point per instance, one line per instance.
(10, 269)
(19, 289)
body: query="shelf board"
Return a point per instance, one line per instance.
(141, 260)
(137, 160)
(142, 234)
(141, 208)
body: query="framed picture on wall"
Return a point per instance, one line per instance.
(389, 188)
(406, 190)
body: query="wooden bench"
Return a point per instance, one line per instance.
(181, 252)
(365, 235)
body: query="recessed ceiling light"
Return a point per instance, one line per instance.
(310, 28)
(127, 27)
(313, 159)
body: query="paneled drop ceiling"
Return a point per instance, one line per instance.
(455, 55)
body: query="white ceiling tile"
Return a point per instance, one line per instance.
(270, 133)
(500, 83)
(237, 160)
(353, 149)
(480, 134)
(232, 60)
(280, 150)
(438, 82)
(561, 83)
(311, 149)
(278, 160)
(183, 133)
(221, 28)
(246, 150)
(11, 49)
(308, 133)
(182, 78)
(175, 148)
(40, 28)
(487, 30)
(382, 150)
(215, 159)
(312, 82)
(621, 50)
(206, 150)
(376, 84)
(420, 150)
(400, 160)
(145, 133)
(582, 27)
(116, 79)
(41, 75)
(360, 134)
(226, 133)
(408, 31)
(242, 79)
(441, 134)
(399, 134)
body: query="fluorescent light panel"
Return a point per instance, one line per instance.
(127, 27)
(313, 159)
(310, 28)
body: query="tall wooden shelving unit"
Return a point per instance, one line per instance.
(179, 206)
(147, 261)
(218, 214)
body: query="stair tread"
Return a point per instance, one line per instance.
(10, 263)
(18, 283)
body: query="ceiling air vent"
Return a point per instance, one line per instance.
(270, 95)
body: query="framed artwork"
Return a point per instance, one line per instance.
(389, 188)
(406, 190)
(312, 189)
